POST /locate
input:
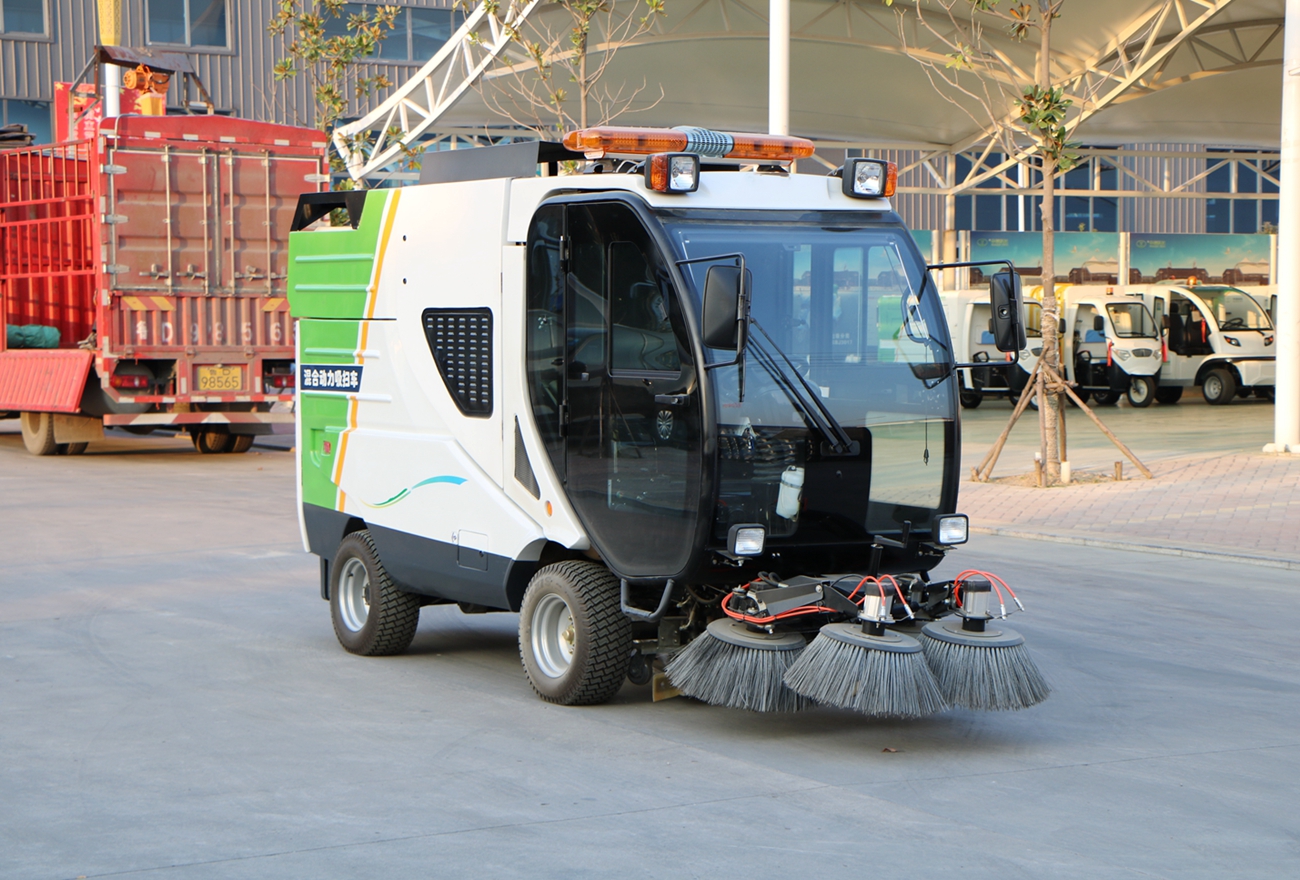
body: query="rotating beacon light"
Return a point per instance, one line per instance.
(612, 140)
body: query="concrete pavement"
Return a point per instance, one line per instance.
(1213, 493)
(173, 704)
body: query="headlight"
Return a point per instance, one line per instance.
(746, 540)
(1232, 340)
(673, 172)
(954, 529)
(1123, 353)
(869, 178)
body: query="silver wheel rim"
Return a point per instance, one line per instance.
(354, 594)
(1140, 389)
(554, 636)
(1213, 387)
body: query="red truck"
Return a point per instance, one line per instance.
(142, 280)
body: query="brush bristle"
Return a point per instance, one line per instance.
(886, 683)
(989, 678)
(722, 674)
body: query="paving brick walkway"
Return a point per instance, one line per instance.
(1244, 505)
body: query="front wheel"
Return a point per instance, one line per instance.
(1219, 387)
(574, 639)
(371, 616)
(1141, 391)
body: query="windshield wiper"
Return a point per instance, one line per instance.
(808, 401)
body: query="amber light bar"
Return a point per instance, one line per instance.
(606, 140)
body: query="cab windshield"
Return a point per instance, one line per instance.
(842, 299)
(1234, 309)
(1131, 320)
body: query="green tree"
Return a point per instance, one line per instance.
(554, 81)
(1014, 105)
(330, 60)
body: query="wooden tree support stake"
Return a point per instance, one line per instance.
(985, 469)
(1096, 421)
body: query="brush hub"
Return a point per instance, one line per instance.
(852, 634)
(734, 632)
(952, 632)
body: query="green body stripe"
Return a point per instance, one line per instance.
(330, 269)
(324, 417)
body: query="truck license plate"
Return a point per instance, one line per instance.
(220, 379)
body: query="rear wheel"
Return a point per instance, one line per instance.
(1106, 398)
(211, 442)
(1141, 391)
(72, 448)
(574, 639)
(971, 399)
(1219, 387)
(371, 616)
(1264, 392)
(240, 443)
(1169, 394)
(38, 433)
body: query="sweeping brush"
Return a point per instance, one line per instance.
(731, 664)
(979, 667)
(883, 674)
(864, 667)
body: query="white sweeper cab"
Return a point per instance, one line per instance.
(684, 408)
(1218, 337)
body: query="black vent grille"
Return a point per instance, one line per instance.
(461, 342)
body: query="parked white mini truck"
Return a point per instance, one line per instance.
(1111, 344)
(1218, 337)
(969, 325)
(550, 394)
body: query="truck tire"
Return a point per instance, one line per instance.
(38, 433)
(1219, 387)
(574, 639)
(1169, 394)
(1141, 391)
(240, 443)
(211, 442)
(72, 448)
(371, 616)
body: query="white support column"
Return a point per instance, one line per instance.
(778, 68)
(1286, 410)
(112, 91)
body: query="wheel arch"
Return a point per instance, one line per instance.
(1206, 367)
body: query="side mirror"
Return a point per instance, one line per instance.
(1099, 323)
(1005, 300)
(726, 307)
(1164, 322)
(1060, 327)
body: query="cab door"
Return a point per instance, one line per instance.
(616, 398)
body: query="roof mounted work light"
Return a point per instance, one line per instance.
(606, 140)
(869, 178)
(673, 172)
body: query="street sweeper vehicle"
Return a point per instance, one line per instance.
(1111, 344)
(668, 410)
(1217, 337)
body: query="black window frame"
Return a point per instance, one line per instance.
(21, 35)
(189, 45)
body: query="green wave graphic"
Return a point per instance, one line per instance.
(455, 481)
